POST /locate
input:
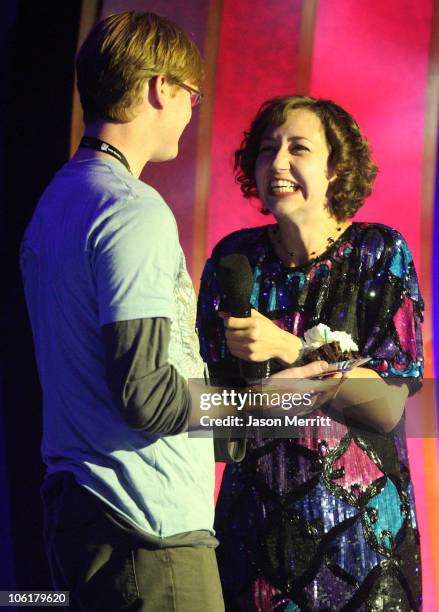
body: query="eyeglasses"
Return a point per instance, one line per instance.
(196, 96)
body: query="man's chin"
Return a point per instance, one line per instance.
(165, 156)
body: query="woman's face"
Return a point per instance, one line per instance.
(292, 165)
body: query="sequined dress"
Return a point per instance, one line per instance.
(323, 524)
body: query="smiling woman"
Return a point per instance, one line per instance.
(319, 523)
(348, 161)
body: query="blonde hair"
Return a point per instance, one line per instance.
(125, 50)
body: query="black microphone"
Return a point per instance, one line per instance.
(236, 279)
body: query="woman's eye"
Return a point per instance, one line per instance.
(298, 147)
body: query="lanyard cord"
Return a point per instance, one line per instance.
(89, 142)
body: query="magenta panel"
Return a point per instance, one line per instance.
(372, 57)
(257, 59)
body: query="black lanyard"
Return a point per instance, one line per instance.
(90, 142)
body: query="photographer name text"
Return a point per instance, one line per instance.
(252, 421)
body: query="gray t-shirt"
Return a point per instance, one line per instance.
(103, 247)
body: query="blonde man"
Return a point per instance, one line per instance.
(128, 497)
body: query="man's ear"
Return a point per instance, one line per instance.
(157, 91)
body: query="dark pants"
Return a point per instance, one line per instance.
(105, 567)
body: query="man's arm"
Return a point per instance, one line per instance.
(149, 392)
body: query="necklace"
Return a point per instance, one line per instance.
(278, 238)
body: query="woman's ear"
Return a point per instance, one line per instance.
(331, 175)
(331, 178)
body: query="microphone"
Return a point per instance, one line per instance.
(236, 279)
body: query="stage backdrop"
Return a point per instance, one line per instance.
(377, 59)
(380, 60)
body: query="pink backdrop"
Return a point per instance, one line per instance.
(377, 59)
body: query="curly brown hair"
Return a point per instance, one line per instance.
(122, 52)
(349, 152)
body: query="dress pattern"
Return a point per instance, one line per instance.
(319, 523)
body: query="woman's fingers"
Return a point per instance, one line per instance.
(248, 350)
(310, 370)
(236, 323)
(248, 334)
(257, 338)
(243, 322)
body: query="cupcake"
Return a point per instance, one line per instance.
(320, 343)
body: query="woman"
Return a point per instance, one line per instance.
(313, 523)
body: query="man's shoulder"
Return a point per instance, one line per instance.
(109, 182)
(108, 193)
(96, 203)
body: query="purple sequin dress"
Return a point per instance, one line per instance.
(323, 524)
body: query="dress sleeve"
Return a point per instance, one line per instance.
(391, 311)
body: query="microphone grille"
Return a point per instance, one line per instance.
(236, 278)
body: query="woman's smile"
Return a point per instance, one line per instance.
(282, 188)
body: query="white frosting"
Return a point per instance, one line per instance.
(321, 334)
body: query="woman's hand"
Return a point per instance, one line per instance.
(256, 338)
(359, 373)
(309, 370)
(301, 380)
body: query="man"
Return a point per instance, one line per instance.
(128, 496)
